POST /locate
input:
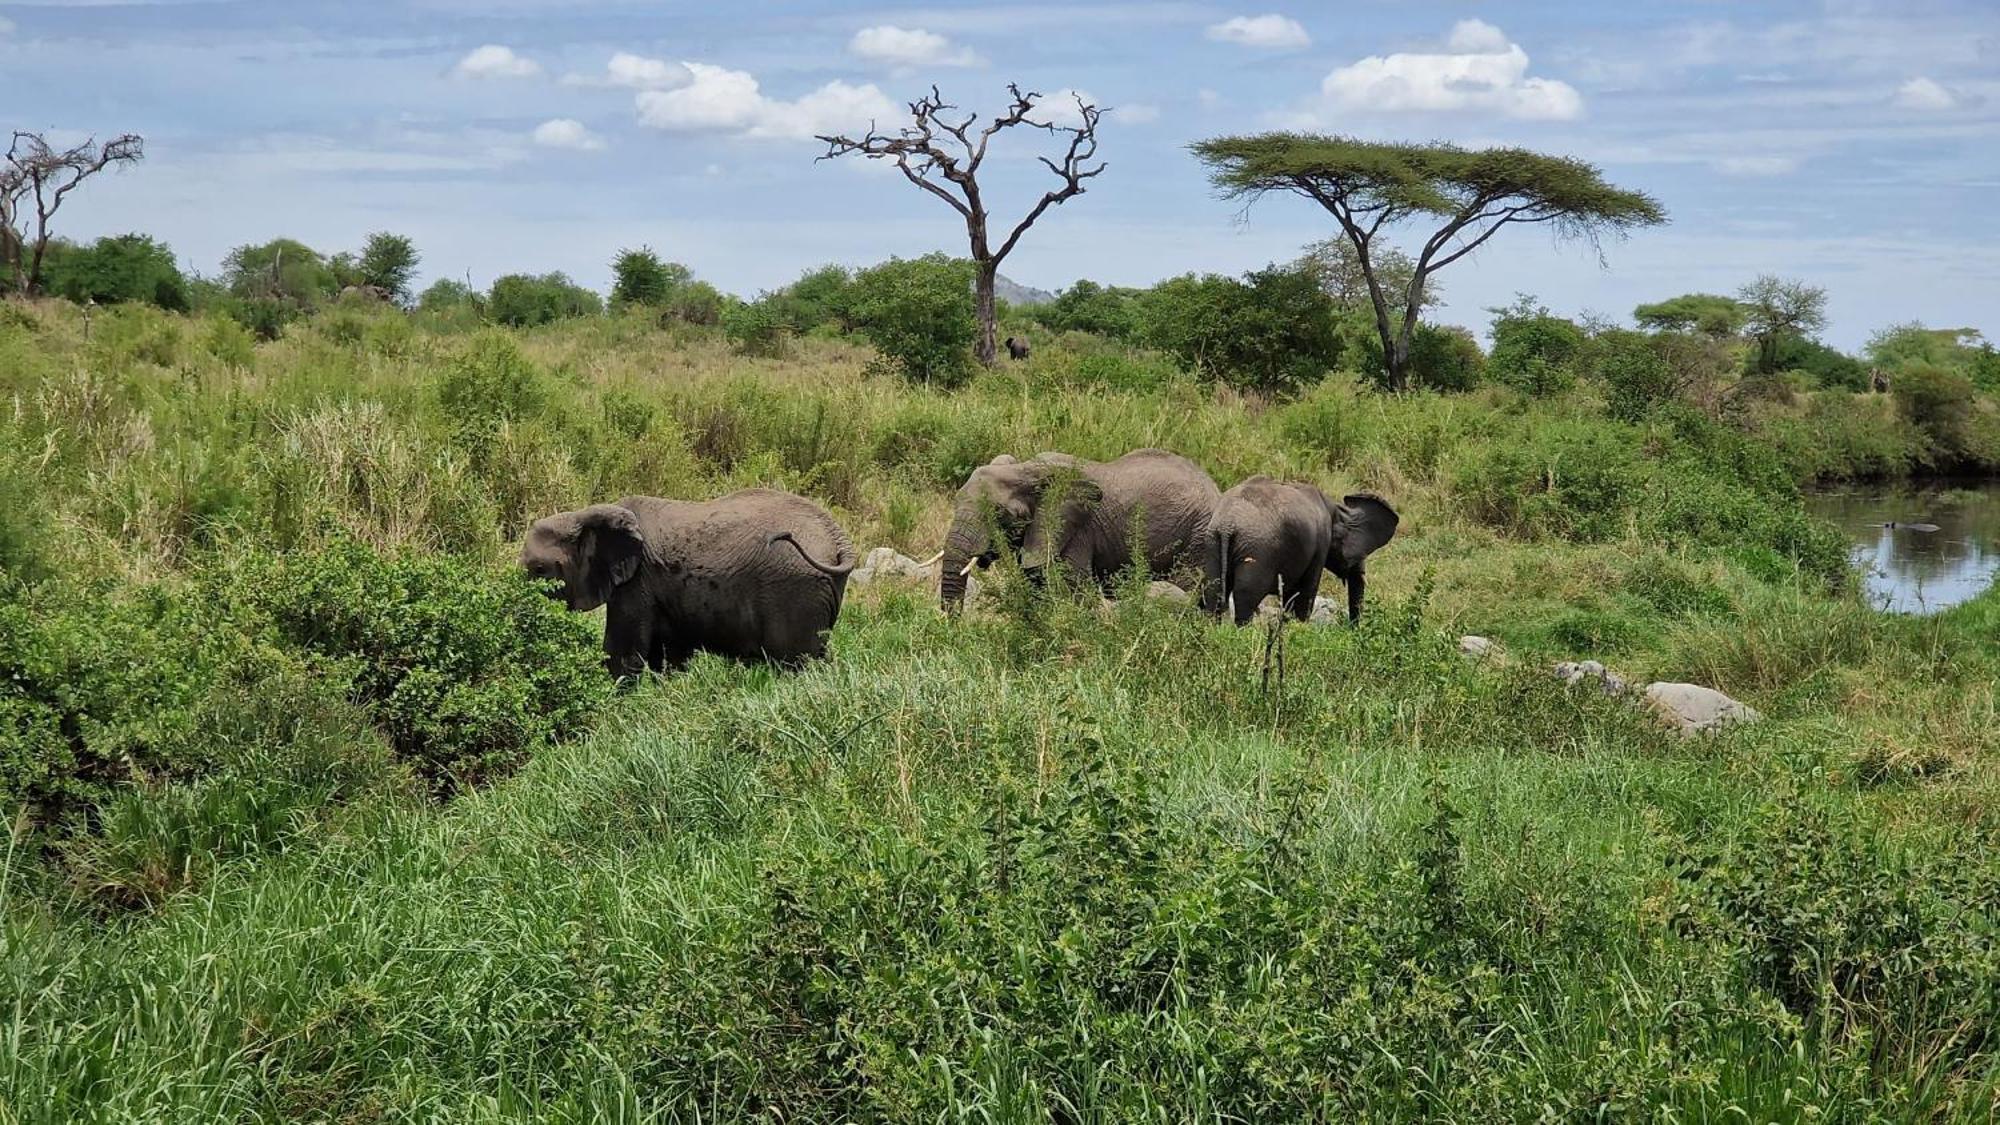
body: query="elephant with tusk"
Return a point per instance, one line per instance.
(1270, 537)
(1087, 521)
(741, 576)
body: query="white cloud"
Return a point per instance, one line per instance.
(1208, 98)
(909, 47)
(718, 99)
(565, 132)
(635, 72)
(1757, 165)
(1060, 108)
(1272, 31)
(1135, 113)
(6, 26)
(1480, 69)
(495, 61)
(1923, 93)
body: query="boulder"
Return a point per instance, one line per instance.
(1168, 591)
(1693, 709)
(1478, 648)
(1573, 672)
(889, 563)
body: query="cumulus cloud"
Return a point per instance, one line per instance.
(1480, 69)
(909, 47)
(495, 61)
(635, 72)
(1924, 93)
(1270, 31)
(6, 26)
(717, 99)
(566, 132)
(1136, 113)
(1059, 108)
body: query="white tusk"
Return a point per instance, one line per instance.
(933, 560)
(968, 568)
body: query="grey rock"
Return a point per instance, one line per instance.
(1573, 672)
(1693, 709)
(1167, 591)
(887, 563)
(1477, 647)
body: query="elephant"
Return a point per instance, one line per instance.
(1017, 348)
(740, 576)
(1270, 536)
(1092, 533)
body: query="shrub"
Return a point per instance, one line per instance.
(283, 270)
(641, 277)
(229, 341)
(387, 262)
(126, 267)
(1444, 357)
(488, 384)
(1533, 349)
(1939, 403)
(1636, 373)
(1089, 307)
(1827, 366)
(466, 672)
(697, 302)
(1274, 331)
(823, 296)
(525, 300)
(762, 327)
(918, 312)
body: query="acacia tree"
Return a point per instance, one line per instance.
(1776, 310)
(35, 179)
(1369, 186)
(942, 156)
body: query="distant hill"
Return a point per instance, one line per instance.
(1014, 293)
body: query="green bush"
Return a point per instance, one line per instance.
(521, 300)
(1444, 357)
(115, 269)
(642, 277)
(1636, 371)
(1940, 403)
(763, 327)
(465, 672)
(1534, 351)
(1272, 332)
(1086, 306)
(918, 312)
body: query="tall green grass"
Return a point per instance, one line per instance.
(362, 836)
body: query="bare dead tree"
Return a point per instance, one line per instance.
(35, 179)
(943, 158)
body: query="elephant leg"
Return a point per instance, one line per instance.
(1302, 593)
(1255, 581)
(1357, 582)
(628, 641)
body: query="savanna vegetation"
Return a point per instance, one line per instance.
(321, 811)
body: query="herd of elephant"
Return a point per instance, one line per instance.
(743, 576)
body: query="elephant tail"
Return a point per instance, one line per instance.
(838, 570)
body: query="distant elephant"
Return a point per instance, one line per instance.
(1093, 531)
(1878, 381)
(1017, 349)
(740, 576)
(1270, 537)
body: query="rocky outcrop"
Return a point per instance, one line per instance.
(1574, 672)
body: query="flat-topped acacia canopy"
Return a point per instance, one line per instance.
(1368, 185)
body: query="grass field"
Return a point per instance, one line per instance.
(324, 814)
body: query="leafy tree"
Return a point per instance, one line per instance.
(1901, 344)
(524, 300)
(696, 302)
(943, 157)
(1774, 309)
(120, 268)
(1472, 195)
(1086, 306)
(1273, 331)
(1534, 350)
(1939, 402)
(447, 293)
(918, 312)
(823, 296)
(1829, 367)
(1445, 357)
(1336, 264)
(1706, 313)
(282, 269)
(388, 262)
(642, 277)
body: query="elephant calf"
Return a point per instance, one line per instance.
(1092, 532)
(740, 576)
(1269, 537)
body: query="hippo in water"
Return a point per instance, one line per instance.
(1892, 525)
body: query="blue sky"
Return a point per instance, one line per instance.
(1852, 143)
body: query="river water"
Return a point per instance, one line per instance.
(1907, 570)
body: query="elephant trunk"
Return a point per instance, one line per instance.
(962, 547)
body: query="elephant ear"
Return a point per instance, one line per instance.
(1049, 532)
(609, 546)
(1362, 524)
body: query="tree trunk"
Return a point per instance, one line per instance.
(987, 347)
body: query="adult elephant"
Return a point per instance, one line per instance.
(1092, 531)
(1271, 537)
(742, 576)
